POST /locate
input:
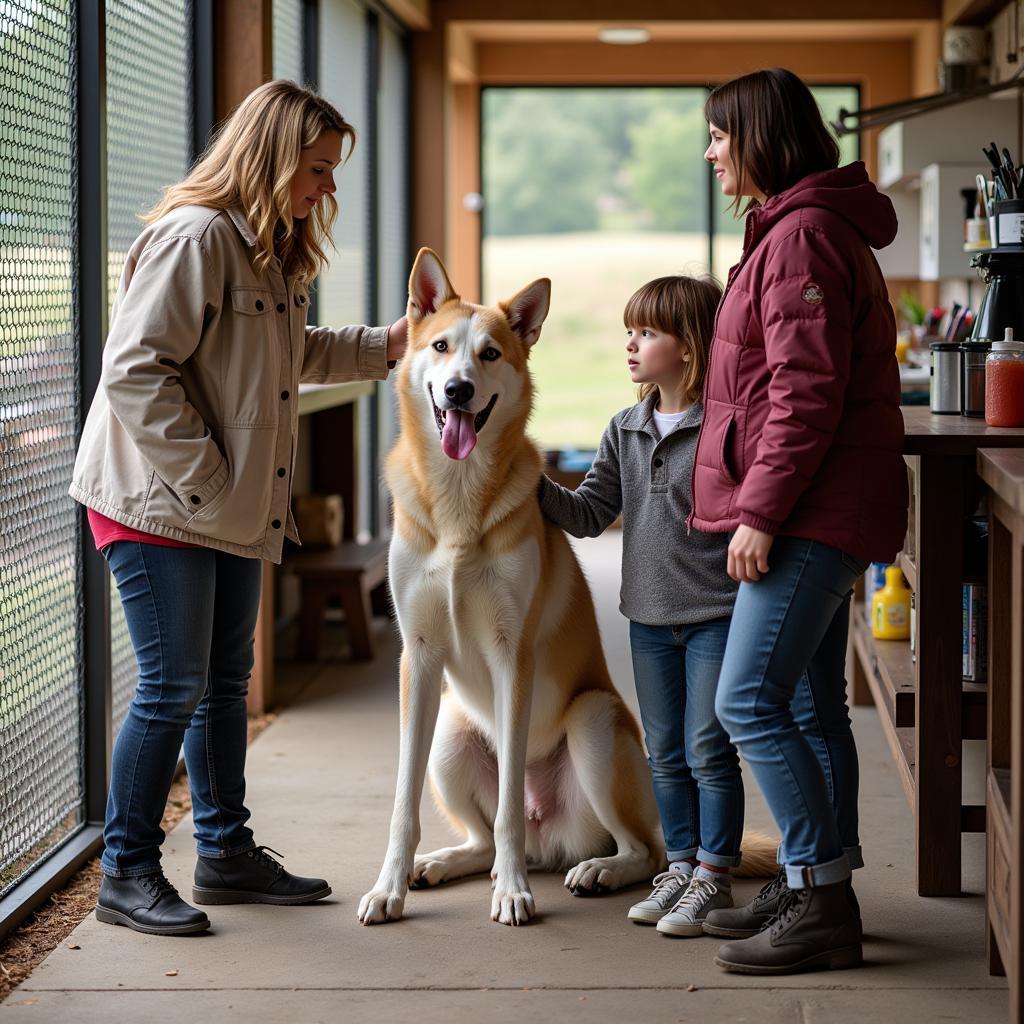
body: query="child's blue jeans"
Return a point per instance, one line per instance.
(695, 769)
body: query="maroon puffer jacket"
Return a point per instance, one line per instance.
(802, 430)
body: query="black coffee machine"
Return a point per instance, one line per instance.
(1002, 306)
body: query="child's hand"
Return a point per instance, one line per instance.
(748, 554)
(398, 338)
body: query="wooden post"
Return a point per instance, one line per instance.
(938, 768)
(1015, 964)
(999, 748)
(243, 60)
(243, 33)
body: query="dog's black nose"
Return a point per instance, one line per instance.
(458, 392)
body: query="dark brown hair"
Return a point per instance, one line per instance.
(685, 308)
(776, 134)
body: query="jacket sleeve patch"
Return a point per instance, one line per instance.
(813, 294)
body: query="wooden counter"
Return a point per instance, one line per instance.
(1003, 473)
(313, 399)
(925, 707)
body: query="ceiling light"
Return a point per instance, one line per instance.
(624, 36)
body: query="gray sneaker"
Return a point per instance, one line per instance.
(686, 918)
(668, 887)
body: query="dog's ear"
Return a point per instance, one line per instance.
(526, 310)
(429, 287)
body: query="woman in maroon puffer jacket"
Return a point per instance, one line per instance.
(800, 459)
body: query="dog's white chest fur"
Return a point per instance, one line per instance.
(472, 607)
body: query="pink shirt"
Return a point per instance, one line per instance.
(105, 531)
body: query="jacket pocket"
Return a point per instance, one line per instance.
(725, 453)
(250, 358)
(240, 513)
(210, 508)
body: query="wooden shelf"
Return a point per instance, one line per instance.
(889, 673)
(909, 568)
(314, 397)
(888, 662)
(889, 670)
(999, 797)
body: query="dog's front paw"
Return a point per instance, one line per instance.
(381, 904)
(512, 904)
(591, 878)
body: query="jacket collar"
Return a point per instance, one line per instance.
(238, 219)
(639, 416)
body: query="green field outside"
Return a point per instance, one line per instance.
(579, 364)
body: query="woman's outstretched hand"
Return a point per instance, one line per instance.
(398, 338)
(748, 554)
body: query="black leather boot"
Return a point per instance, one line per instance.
(253, 877)
(851, 898)
(148, 903)
(742, 922)
(815, 927)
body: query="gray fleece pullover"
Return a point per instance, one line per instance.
(669, 577)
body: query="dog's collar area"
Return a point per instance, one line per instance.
(440, 415)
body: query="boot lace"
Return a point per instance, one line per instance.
(790, 904)
(260, 854)
(772, 888)
(157, 885)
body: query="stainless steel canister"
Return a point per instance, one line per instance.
(972, 377)
(945, 377)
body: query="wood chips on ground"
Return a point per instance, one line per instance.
(36, 937)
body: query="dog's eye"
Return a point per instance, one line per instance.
(441, 346)
(490, 354)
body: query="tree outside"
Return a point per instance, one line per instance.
(600, 189)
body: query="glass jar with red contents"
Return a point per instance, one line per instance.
(1004, 383)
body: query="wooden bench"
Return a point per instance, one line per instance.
(355, 573)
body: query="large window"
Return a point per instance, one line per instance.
(600, 189)
(392, 199)
(149, 134)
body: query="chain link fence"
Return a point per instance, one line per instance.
(41, 723)
(49, 758)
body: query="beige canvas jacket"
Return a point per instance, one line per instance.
(192, 432)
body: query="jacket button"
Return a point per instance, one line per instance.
(280, 472)
(281, 307)
(195, 499)
(658, 463)
(276, 524)
(259, 306)
(284, 396)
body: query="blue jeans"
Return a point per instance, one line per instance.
(191, 615)
(782, 699)
(694, 767)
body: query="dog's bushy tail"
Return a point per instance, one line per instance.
(759, 856)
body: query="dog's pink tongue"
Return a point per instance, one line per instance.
(458, 438)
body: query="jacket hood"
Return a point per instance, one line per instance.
(846, 191)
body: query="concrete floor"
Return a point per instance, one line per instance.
(321, 785)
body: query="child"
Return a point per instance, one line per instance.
(675, 592)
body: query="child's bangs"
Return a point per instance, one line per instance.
(650, 307)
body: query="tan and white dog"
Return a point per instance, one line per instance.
(533, 755)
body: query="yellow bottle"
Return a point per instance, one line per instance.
(890, 619)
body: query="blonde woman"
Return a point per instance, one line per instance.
(185, 466)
